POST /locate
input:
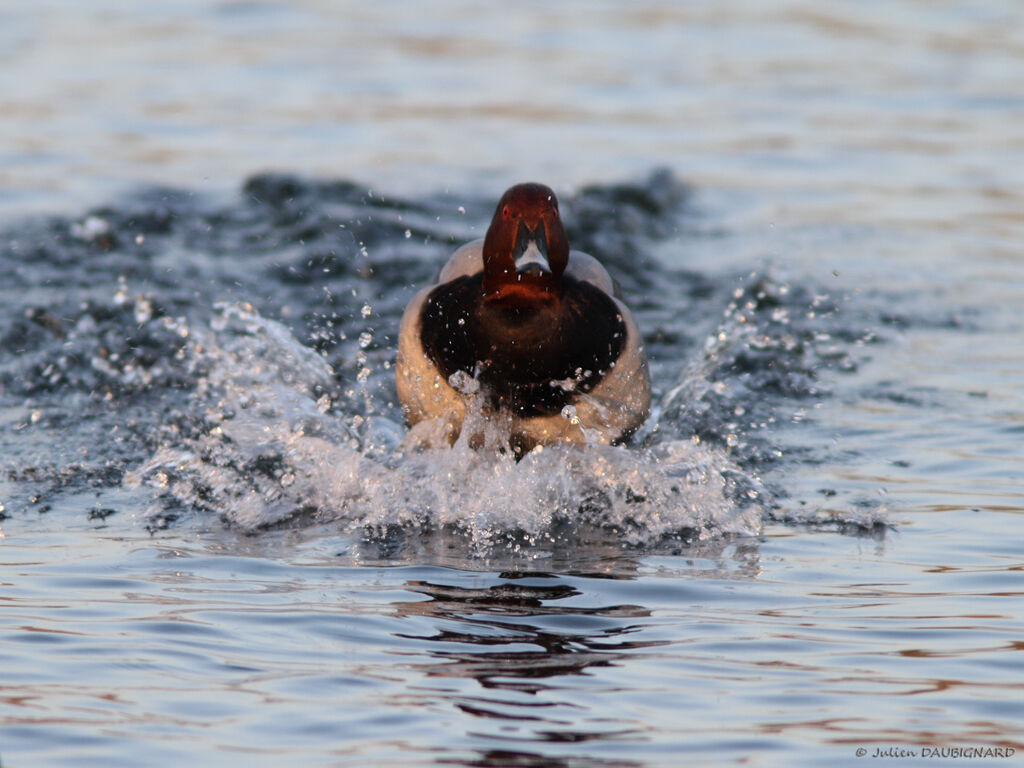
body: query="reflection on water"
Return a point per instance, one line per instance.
(522, 616)
(828, 279)
(524, 640)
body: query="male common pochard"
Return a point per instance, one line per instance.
(536, 330)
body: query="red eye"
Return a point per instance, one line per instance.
(504, 211)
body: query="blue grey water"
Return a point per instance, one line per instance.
(215, 549)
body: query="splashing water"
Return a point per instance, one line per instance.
(274, 449)
(123, 375)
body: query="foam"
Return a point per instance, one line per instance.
(276, 447)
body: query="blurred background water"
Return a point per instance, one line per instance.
(859, 163)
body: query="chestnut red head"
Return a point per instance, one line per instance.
(526, 249)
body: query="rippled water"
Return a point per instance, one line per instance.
(215, 548)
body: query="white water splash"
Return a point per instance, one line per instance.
(276, 447)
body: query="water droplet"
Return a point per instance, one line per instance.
(365, 339)
(569, 413)
(464, 383)
(366, 310)
(121, 294)
(287, 479)
(90, 229)
(143, 310)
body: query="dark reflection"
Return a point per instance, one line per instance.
(499, 758)
(492, 618)
(520, 636)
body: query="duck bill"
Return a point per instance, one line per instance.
(530, 253)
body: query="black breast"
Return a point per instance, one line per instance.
(531, 360)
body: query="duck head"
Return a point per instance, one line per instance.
(526, 249)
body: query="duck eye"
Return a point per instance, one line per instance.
(504, 211)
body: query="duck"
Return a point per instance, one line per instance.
(534, 331)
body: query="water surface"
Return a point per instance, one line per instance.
(214, 550)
